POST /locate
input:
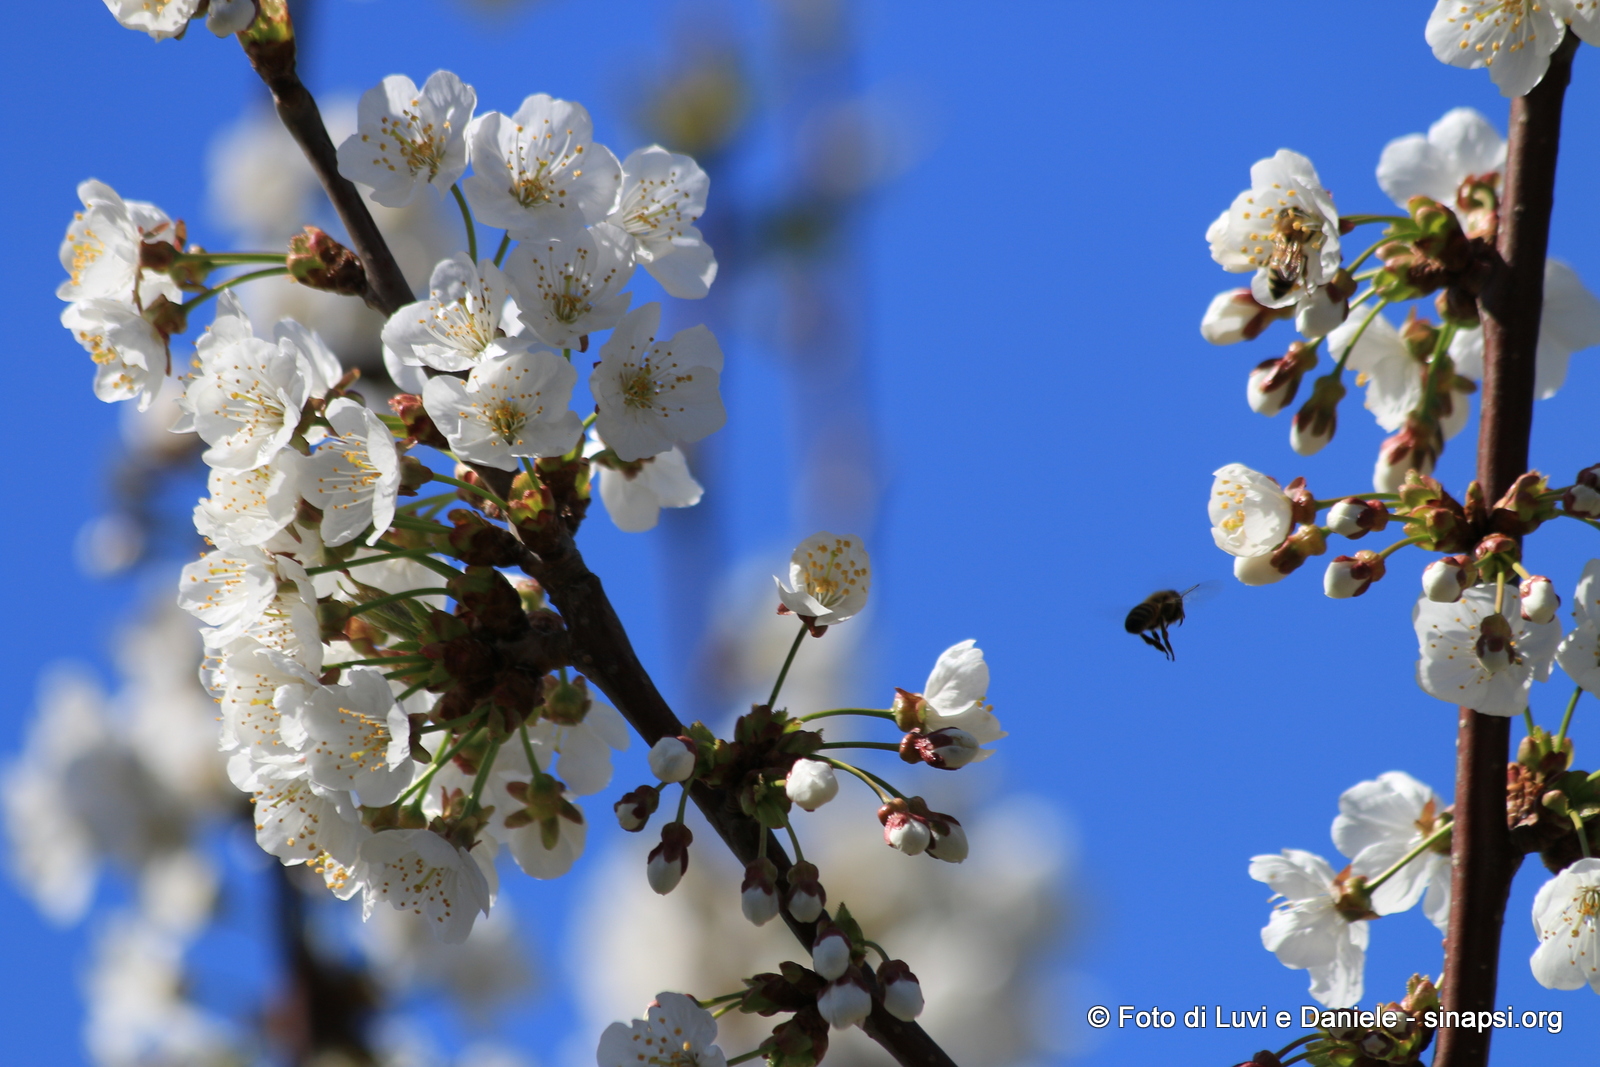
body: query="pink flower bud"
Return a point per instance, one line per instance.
(1349, 576)
(672, 759)
(758, 895)
(1444, 580)
(906, 832)
(830, 953)
(669, 860)
(1539, 599)
(902, 993)
(811, 783)
(845, 1002)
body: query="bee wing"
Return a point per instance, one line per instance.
(1200, 593)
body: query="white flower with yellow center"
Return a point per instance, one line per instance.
(353, 477)
(1306, 932)
(829, 578)
(456, 324)
(569, 279)
(250, 507)
(357, 737)
(1491, 681)
(1379, 823)
(417, 870)
(161, 19)
(407, 139)
(130, 355)
(1461, 145)
(100, 252)
(663, 193)
(1566, 916)
(1579, 654)
(1284, 227)
(296, 825)
(1569, 322)
(1250, 514)
(652, 395)
(542, 160)
(1513, 38)
(513, 406)
(262, 745)
(675, 1032)
(956, 691)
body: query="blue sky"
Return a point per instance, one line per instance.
(1047, 414)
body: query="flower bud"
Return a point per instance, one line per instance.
(669, 860)
(418, 423)
(1320, 311)
(845, 1002)
(902, 993)
(1355, 518)
(1299, 546)
(317, 261)
(1494, 646)
(830, 952)
(1583, 499)
(806, 895)
(1444, 580)
(811, 783)
(947, 749)
(1256, 570)
(908, 709)
(758, 894)
(672, 759)
(1235, 316)
(1415, 446)
(902, 830)
(1523, 507)
(1274, 383)
(1495, 555)
(949, 839)
(1315, 422)
(1539, 599)
(1349, 576)
(635, 808)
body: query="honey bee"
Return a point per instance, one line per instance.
(1151, 617)
(1292, 233)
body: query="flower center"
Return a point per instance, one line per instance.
(421, 145)
(1293, 232)
(506, 420)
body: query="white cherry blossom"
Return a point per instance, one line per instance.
(1392, 375)
(526, 844)
(285, 621)
(407, 139)
(569, 279)
(101, 249)
(513, 406)
(956, 692)
(353, 477)
(417, 870)
(297, 825)
(1380, 822)
(1513, 38)
(540, 161)
(1460, 145)
(130, 355)
(1579, 654)
(249, 508)
(1566, 917)
(1306, 932)
(829, 578)
(357, 737)
(580, 752)
(161, 19)
(1450, 667)
(246, 399)
(1568, 323)
(1250, 513)
(228, 587)
(458, 322)
(262, 745)
(1284, 228)
(652, 395)
(663, 193)
(1581, 16)
(675, 1030)
(635, 493)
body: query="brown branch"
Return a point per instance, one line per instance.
(1483, 861)
(270, 46)
(325, 1008)
(601, 648)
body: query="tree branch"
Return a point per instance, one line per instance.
(1483, 861)
(601, 648)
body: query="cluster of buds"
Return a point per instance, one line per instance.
(910, 827)
(1433, 253)
(1549, 804)
(1391, 1034)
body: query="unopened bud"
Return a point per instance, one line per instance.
(949, 841)
(1235, 316)
(418, 423)
(1349, 576)
(908, 709)
(636, 807)
(830, 952)
(758, 894)
(1444, 580)
(947, 749)
(1496, 555)
(1315, 422)
(902, 993)
(1355, 518)
(1305, 542)
(1583, 499)
(845, 1002)
(1494, 646)
(1321, 311)
(811, 783)
(318, 261)
(669, 860)
(902, 830)
(1274, 383)
(1539, 599)
(672, 759)
(1257, 570)
(806, 895)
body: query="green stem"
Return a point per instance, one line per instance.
(1421, 847)
(875, 713)
(876, 784)
(383, 601)
(1363, 220)
(255, 275)
(886, 746)
(469, 734)
(434, 565)
(1527, 718)
(483, 773)
(229, 259)
(1398, 545)
(799, 855)
(874, 946)
(413, 691)
(588, 420)
(1583, 835)
(714, 1001)
(364, 560)
(466, 218)
(788, 660)
(1566, 720)
(409, 522)
(746, 1057)
(683, 802)
(482, 491)
(527, 748)
(1499, 592)
(1363, 257)
(500, 253)
(428, 501)
(377, 661)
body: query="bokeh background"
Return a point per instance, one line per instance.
(962, 270)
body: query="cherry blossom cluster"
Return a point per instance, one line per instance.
(1486, 626)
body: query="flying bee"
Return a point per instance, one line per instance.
(1293, 233)
(1151, 617)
